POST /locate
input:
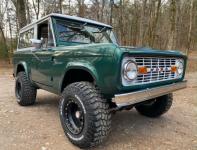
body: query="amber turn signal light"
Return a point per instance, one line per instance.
(142, 70)
(173, 68)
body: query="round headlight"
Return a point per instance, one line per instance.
(130, 70)
(180, 67)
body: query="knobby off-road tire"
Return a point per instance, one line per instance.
(156, 107)
(81, 104)
(24, 90)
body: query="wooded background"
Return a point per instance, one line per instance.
(161, 24)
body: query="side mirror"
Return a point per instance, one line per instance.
(36, 43)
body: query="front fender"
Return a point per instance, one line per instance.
(86, 66)
(21, 64)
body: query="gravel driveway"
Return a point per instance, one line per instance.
(38, 127)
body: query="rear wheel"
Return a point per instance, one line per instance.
(84, 114)
(155, 107)
(24, 90)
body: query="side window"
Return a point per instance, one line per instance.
(24, 39)
(45, 33)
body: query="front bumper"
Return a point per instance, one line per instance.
(149, 93)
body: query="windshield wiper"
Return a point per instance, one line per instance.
(89, 34)
(103, 29)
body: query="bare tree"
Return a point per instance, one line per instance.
(3, 9)
(20, 12)
(28, 11)
(156, 23)
(171, 42)
(102, 10)
(143, 22)
(36, 6)
(111, 10)
(190, 26)
(81, 8)
(60, 6)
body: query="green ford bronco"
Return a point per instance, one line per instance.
(81, 60)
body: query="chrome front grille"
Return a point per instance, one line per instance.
(158, 69)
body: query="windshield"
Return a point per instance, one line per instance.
(71, 32)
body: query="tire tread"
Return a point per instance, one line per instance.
(159, 107)
(98, 111)
(28, 92)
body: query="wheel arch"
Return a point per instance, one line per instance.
(21, 66)
(71, 74)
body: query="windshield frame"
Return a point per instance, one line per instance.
(83, 26)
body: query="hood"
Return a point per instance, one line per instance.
(87, 50)
(150, 52)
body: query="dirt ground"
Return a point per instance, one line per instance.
(38, 127)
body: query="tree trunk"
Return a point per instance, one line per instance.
(102, 10)
(81, 7)
(11, 39)
(36, 9)
(178, 43)
(190, 27)
(143, 23)
(121, 23)
(28, 13)
(154, 25)
(69, 5)
(111, 13)
(60, 6)
(171, 42)
(4, 41)
(21, 13)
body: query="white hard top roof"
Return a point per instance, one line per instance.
(80, 19)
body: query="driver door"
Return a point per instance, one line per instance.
(42, 63)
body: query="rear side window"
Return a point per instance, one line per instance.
(24, 39)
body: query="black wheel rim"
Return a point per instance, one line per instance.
(74, 117)
(18, 89)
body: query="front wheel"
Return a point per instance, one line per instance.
(84, 115)
(155, 107)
